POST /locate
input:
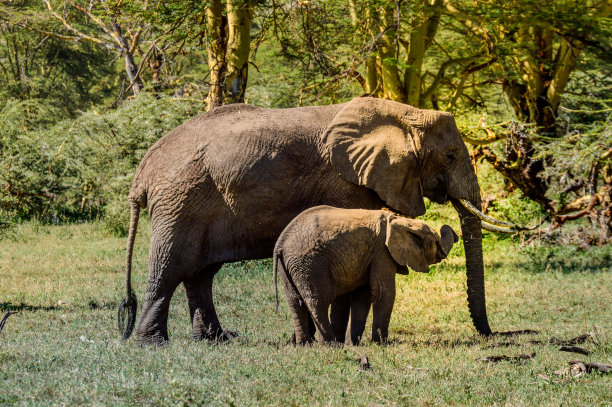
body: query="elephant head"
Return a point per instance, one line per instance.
(405, 154)
(413, 243)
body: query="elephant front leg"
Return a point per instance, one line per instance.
(339, 315)
(204, 319)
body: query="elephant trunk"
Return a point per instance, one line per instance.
(447, 237)
(472, 241)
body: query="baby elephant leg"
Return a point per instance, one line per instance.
(361, 300)
(319, 309)
(339, 315)
(382, 287)
(302, 321)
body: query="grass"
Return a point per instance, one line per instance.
(62, 348)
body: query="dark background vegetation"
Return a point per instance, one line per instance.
(87, 87)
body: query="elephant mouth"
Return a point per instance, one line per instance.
(436, 189)
(439, 197)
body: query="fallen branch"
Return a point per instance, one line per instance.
(578, 368)
(574, 349)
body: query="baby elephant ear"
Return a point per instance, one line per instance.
(405, 244)
(447, 238)
(371, 142)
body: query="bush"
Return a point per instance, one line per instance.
(75, 168)
(519, 209)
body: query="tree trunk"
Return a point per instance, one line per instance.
(371, 76)
(130, 65)
(155, 66)
(412, 73)
(216, 46)
(390, 77)
(239, 18)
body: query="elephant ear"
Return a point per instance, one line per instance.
(404, 242)
(373, 143)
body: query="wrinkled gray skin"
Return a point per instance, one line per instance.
(222, 187)
(327, 252)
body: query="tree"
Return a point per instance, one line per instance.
(228, 45)
(536, 47)
(37, 66)
(402, 51)
(104, 27)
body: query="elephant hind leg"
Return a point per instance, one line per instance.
(153, 326)
(360, 308)
(170, 259)
(302, 320)
(320, 313)
(204, 319)
(339, 315)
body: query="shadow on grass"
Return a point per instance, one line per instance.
(9, 306)
(565, 259)
(92, 305)
(442, 343)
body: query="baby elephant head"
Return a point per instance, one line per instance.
(413, 243)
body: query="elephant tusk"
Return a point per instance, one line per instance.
(475, 211)
(497, 229)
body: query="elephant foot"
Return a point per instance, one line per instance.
(211, 331)
(155, 340)
(215, 335)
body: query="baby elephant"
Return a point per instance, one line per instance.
(326, 252)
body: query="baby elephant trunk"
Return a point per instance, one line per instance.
(448, 238)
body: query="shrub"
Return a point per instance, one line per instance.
(77, 167)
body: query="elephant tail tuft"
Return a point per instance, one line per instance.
(127, 308)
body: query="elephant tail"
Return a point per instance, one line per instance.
(275, 261)
(126, 317)
(278, 261)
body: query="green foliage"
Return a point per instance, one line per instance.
(568, 258)
(69, 76)
(519, 209)
(571, 158)
(74, 168)
(8, 218)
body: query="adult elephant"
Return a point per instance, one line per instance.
(222, 187)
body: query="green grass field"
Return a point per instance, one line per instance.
(62, 348)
